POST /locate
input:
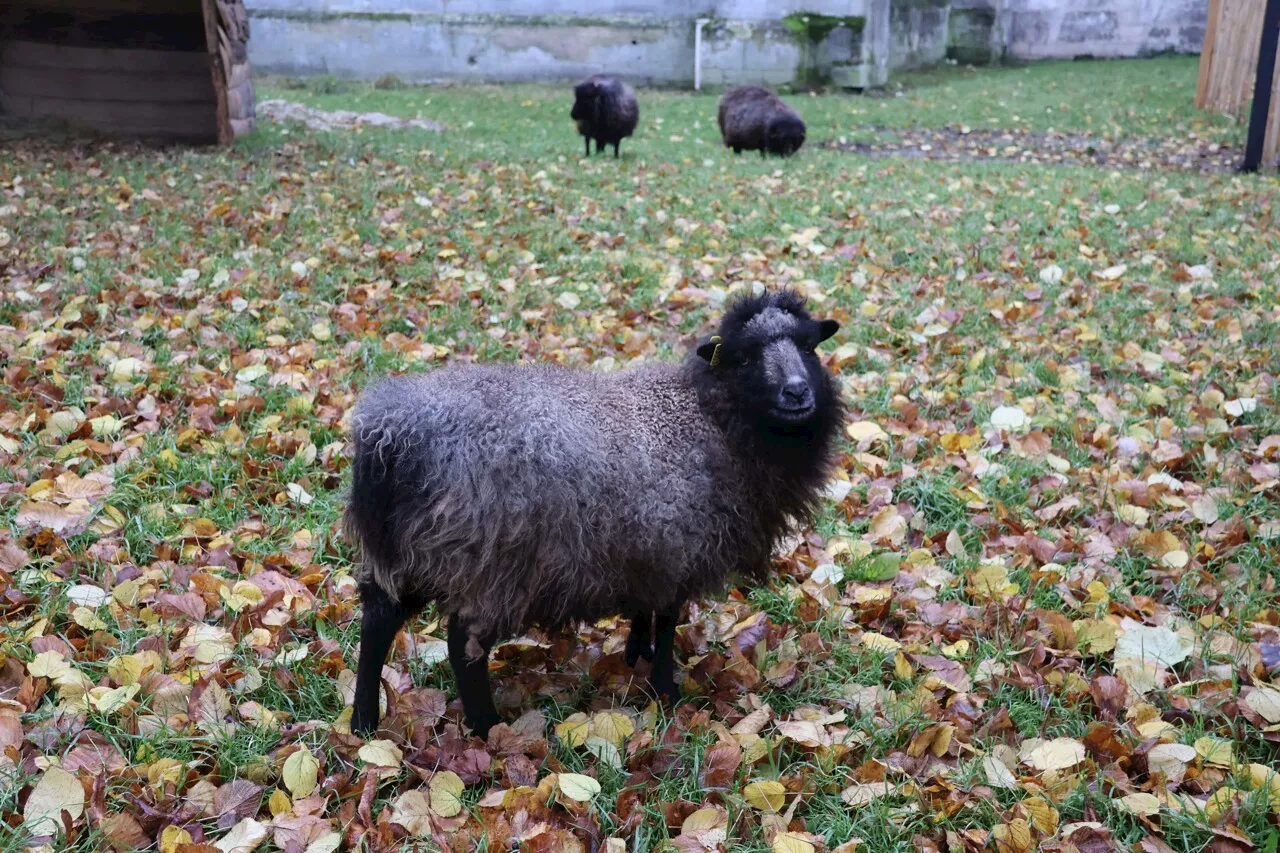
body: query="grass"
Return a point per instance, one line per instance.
(322, 260)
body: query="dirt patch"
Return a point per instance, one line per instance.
(1189, 154)
(280, 111)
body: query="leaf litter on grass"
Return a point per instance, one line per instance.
(1036, 611)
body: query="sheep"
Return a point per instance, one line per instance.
(752, 117)
(605, 110)
(540, 495)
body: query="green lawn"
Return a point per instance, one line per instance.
(1022, 634)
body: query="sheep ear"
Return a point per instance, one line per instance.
(827, 328)
(710, 351)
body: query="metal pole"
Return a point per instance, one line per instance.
(1262, 87)
(697, 52)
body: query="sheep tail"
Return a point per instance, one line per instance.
(367, 521)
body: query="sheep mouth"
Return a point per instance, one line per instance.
(794, 415)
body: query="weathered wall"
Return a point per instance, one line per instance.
(1065, 29)
(918, 31)
(648, 41)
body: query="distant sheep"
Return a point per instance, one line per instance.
(606, 110)
(513, 496)
(752, 117)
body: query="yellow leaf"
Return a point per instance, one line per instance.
(88, 619)
(1219, 802)
(412, 811)
(867, 431)
(446, 793)
(575, 730)
(705, 820)
(792, 842)
(126, 669)
(244, 837)
(990, 581)
(1265, 702)
(577, 787)
(1043, 815)
(1061, 753)
(50, 664)
(172, 838)
(1214, 751)
(766, 795)
(279, 803)
(383, 753)
(113, 699)
(877, 642)
(1139, 803)
(301, 772)
(612, 727)
(998, 775)
(1012, 837)
(863, 793)
(57, 791)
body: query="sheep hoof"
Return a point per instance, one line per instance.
(666, 691)
(638, 647)
(481, 725)
(362, 727)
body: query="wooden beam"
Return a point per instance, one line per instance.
(30, 54)
(1207, 52)
(106, 85)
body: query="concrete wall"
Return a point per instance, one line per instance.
(647, 41)
(1065, 29)
(918, 32)
(652, 41)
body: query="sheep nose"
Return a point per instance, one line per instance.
(796, 394)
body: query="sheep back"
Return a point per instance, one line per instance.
(746, 115)
(605, 108)
(522, 495)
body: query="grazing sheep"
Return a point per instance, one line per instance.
(514, 496)
(752, 117)
(605, 109)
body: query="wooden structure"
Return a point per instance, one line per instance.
(169, 69)
(1229, 67)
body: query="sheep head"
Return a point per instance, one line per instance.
(766, 351)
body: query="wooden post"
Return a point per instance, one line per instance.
(1262, 87)
(210, 10)
(1207, 52)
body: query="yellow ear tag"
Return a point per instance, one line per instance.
(715, 354)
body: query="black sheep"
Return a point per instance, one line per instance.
(605, 110)
(513, 496)
(752, 117)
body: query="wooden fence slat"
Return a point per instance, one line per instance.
(28, 54)
(106, 85)
(1207, 52)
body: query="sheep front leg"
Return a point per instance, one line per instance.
(663, 676)
(381, 621)
(587, 142)
(471, 670)
(640, 639)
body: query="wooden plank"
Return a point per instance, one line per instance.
(218, 72)
(1207, 51)
(239, 102)
(238, 74)
(106, 85)
(27, 54)
(134, 7)
(175, 121)
(1271, 147)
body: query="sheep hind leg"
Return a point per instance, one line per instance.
(615, 150)
(381, 621)
(640, 638)
(663, 676)
(586, 141)
(472, 675)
